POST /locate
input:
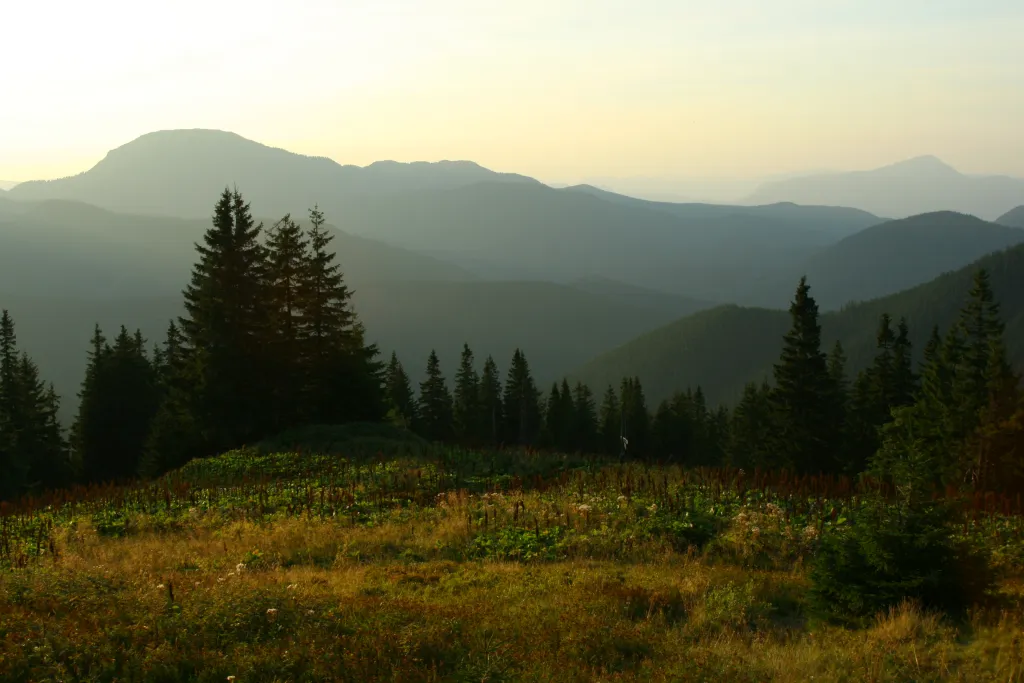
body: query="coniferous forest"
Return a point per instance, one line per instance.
(271, 459)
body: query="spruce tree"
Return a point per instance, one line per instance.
(344, 378)
(584, 434)
(635, 418)
(521, 403)
(226, 326)
(803, 401)
(174, 437)
(14, 469)
(491, 418)
(287, 263)
(398, 394)
(120, 397)
(751, 429)
(435, 404)
(466, 398)
(41, 444)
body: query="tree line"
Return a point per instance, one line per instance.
(269, 341)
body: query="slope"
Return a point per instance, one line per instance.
(903, 189)
(889, 258)
(534, 232)
(1014, 218)
(723, 348)
(173, 172)
(54, 248)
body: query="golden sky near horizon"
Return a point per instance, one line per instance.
(562, 90)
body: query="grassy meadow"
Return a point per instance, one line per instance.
(366, 558)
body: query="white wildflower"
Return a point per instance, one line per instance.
(240, 567)
(160, 586)
(293, 586)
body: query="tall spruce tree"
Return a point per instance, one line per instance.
(490, 420)
(226, 327)
(751, 430)
(584, 434)
(806, 416)
(14, 470)
(521, 403)
(636, 423)
(343, 376)
(174, 436)
(287, 265)
(119, 399)
(435, 404)
(466, 408)
(401, 402)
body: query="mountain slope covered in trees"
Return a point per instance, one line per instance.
(723, 348)
(891, 257)
(1013, 217)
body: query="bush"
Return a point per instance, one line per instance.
(899, 550)
(891, 554)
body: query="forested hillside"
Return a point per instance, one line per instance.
(689, 352)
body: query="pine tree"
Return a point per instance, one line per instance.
(559, 418)
(803, 400)
(174, 437)
(41, 441)
(226, 326)
(344, 379)
(904, 380)
(636, 422)
(14, 469)
(399, 396)
(435, 404)
(751, 429)
(491, 418)
(287, 263)
(584, 434)
(521, 403)
(120, 397)
(467, 398)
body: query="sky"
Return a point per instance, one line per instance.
(562, 90)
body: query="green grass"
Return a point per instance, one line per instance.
(407, 562)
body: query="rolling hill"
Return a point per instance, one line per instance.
(889, 258)
(724, 347)
(1014, 218)
(915, 186)
(500, 226)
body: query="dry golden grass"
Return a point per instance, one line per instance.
(317, 600)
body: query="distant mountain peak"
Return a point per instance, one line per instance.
(925, 164)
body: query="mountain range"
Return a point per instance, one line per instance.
(919, 185)
(724, 347)
(450, 252)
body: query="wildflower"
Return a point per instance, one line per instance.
(220, 579)
(240, 567)
(654, 507)
(160, 586)
(271, 614)
(293, 586)
(197, 584)
(583, 508)
(231, 678)
(310, 612)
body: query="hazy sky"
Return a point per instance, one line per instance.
(558, 89)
